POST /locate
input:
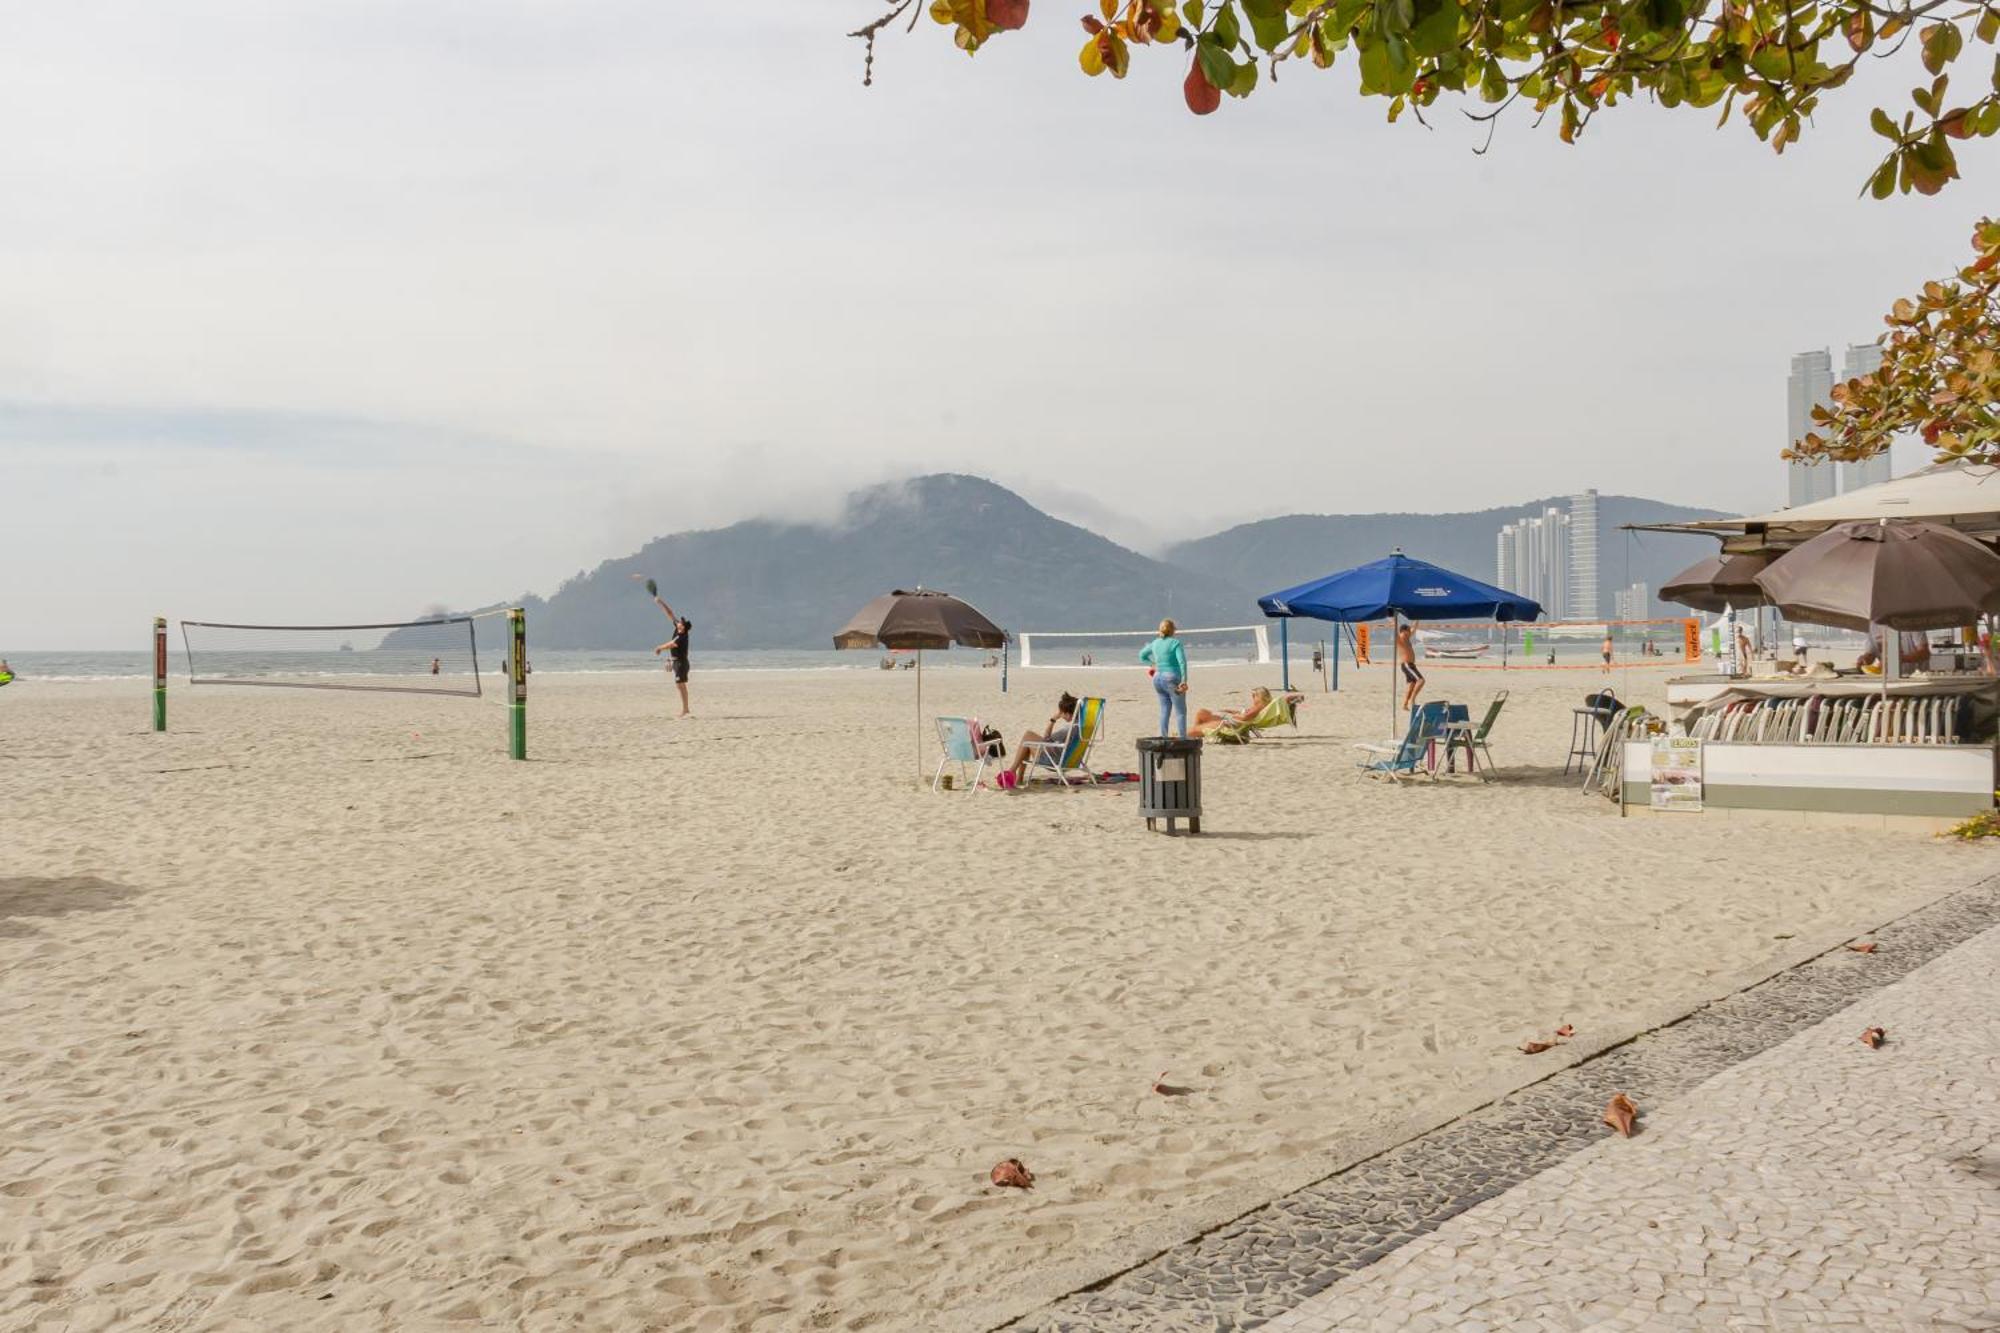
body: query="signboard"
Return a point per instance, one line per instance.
(1361, 643)
(1691, 631)
(1676, 773)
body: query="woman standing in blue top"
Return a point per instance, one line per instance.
(1169, 662)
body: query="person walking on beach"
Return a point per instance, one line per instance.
(1606, 648)
(1406, 658)
(435, 666)
(1169, 663)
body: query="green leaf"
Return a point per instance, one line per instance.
(1269, 22)
(1435, 30)
(1386, 67)
(1192, 12)
(1942, 43)
(1245, 81)
(1883, 125)
(1884, 183)
(1216, 66)
(1227, 30)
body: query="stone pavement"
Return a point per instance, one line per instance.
(1819, 1183)
(1807, 1179)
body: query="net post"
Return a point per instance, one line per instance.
(159, 673)
(517, 678)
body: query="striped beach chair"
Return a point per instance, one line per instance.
(1070, 761)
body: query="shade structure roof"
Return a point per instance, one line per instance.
(1401, 585)
(1717, 582)
(1910, 576)
(1965, 496)
(919, 618)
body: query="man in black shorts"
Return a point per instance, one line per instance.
(1406, 658)
(677, 648)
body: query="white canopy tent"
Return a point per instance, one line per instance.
(1959, 495)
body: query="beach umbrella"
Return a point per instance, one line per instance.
(1912, 576)
(919, 619)
(1717, 583)
(1400, 588)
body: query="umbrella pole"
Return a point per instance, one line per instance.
(920, 719)
(1395, 657)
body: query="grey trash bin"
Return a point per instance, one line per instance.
(1170, 781)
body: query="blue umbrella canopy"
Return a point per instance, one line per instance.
(1399, 585)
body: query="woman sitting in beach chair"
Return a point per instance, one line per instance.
(1235, 725)
(1038, 746)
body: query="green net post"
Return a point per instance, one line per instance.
(517, 680)
(159, 673)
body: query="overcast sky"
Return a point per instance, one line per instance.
(315, 312)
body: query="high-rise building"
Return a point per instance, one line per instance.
(1863, 359)
(1809, 385)
(1581, 603)
(1632, 602)
(1552, 558)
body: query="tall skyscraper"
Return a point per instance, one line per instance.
(1582, 602)
(1809, 385)
(1552, 558)
(1632, 602)
(1863, 359)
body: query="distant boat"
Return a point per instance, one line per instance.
(346, 647)
(1455, 650)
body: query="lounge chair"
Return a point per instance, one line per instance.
(961, 746)
(1069, 760)
(1278, 711)
(1473, 738)
(1405, 759)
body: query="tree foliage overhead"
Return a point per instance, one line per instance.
(1769, 60)
(1940, 374)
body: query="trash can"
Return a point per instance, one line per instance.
(1170, 781)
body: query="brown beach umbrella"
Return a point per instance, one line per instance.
(919, 619)
(1903, 575)
(1717, 583)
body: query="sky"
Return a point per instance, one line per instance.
(320, 312)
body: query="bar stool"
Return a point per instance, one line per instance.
(1582, 739)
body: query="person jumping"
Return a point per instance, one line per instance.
(1406, 658)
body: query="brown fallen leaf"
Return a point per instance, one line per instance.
(1873, 1037)
(1013, 1174)
(1536, 1047)
(1866, 946)
(1621, 1115)
(1565, 1031)
(1161, 1080)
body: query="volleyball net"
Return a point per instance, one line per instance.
(1560, 645)
(435, 656)
(1120, 647)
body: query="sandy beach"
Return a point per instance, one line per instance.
(320, 1013)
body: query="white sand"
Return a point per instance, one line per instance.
(318, 1013)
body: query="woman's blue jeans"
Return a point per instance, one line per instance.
(1172, 702)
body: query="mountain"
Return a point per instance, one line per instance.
(1276, 553)
(767, 584)
(764, 584)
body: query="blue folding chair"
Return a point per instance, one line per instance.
(1406, 759)
(961, 747)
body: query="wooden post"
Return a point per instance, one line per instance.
(159, 673)
(517, 676)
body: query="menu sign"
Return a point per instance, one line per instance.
(1676, 773)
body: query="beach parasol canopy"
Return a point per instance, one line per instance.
(921, 618)
(1910, 576)
(1717, 583)
(1398, 586)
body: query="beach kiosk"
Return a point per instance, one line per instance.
(1826, 740)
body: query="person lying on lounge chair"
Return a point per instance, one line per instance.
(1046, 746)
(1206, 721)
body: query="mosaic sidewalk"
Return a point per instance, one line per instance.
(1383, 1216)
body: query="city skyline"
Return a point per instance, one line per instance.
(1552, 557)
(1809, 385)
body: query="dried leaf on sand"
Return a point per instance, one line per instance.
(1537, 1047)
(1621, 1114)
(1866, 946)
(1013, 1174)
(1874, 1037)
(1565, 1031)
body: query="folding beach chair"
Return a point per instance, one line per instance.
(1473, 738)
(1070, 759)
(1405, 759)
(961, 745)
(1279, 711)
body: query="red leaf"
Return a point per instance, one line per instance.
(1565, 1031)
(1161, 1079)
(1866, 946)
(1537, 1047)
(1873, 1038)
(1012, 1174)
(1007, 13)
(1621, 1115)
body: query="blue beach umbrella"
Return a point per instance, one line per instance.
(1400, 588)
